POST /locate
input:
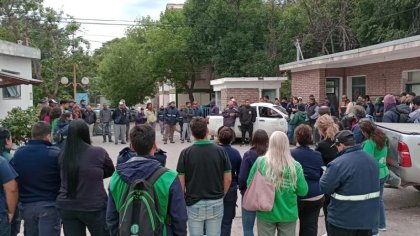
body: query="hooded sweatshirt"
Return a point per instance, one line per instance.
(167, 189)
(299, 118)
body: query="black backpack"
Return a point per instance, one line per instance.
(60, 134)
(403, 114)
(140, 212)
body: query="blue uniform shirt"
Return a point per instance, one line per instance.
(7, 173)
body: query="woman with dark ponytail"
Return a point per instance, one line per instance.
(376, 145)
(82, 198)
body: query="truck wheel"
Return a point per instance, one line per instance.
(417, 187)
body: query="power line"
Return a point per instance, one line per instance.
(96, 19)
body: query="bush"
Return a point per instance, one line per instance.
(19, 122)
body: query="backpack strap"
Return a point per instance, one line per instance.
(159, 172)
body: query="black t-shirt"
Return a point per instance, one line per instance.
(203, 165)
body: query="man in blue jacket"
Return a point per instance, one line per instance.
(120, 122)
(353, 183)
(141, 167)
(171, 119)
(39, 182)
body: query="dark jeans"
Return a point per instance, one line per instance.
(336, 231)
(16, 222)
(247, 128)
(41, 218)
(4, 225)
(127, 131)
(308, 216)
(181, 128)
(229, 211)
(106, 130)
(327, 199)
(75, 222)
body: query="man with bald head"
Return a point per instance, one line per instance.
(229, 115)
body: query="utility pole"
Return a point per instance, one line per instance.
(74, 73)
(74, 82)
(299, 54)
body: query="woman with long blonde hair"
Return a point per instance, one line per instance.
(286, 174)
(327, 128)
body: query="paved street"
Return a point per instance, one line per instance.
(402, 205)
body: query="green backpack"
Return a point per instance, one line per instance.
(140, 213)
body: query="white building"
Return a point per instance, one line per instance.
(174, 6)
(16, 76)
(243, 88)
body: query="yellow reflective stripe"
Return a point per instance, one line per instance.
(361, 197)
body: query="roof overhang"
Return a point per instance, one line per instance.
(390, 51)
(247, 82)
(7, 80)
(18, 50)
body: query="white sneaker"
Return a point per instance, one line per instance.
(382, 229)
(325, 234)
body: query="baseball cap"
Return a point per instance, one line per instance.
(53, 101)
(344, 137)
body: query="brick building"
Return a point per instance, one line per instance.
(377, 70)
(252, 88)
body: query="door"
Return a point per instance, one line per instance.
(333, 93)
(271, 93)
(414, 88)
(269, 120)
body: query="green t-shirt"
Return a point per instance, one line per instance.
(369, 146)
(203, 165)
(285, 207)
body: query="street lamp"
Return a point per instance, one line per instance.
(84, 82)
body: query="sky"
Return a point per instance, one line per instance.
(129, 10)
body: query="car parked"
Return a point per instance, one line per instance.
(270, 118)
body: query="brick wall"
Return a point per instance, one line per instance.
(309, 82)
(381, 78)
(239, 94)
(385, 77)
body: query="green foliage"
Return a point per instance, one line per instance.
(19, 122)
(379, 21)
(123, 73)
(224, 38)
(43, 28)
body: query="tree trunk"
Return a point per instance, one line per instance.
(190, 89)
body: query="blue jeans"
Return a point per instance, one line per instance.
(208, 213)
(185, 135)
(248, 221)
(41, 218)
(290, 133)
(381, 221)
(4, 225)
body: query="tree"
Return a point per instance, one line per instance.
(123, 73)
(44, 28)
(379, 21)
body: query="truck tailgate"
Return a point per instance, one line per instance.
(405, 135)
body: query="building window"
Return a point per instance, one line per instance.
(12, 92)
(358, 87)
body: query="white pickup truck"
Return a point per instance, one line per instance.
(404, 152)
(270, 118)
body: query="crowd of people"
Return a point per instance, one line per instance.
(344, 175)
